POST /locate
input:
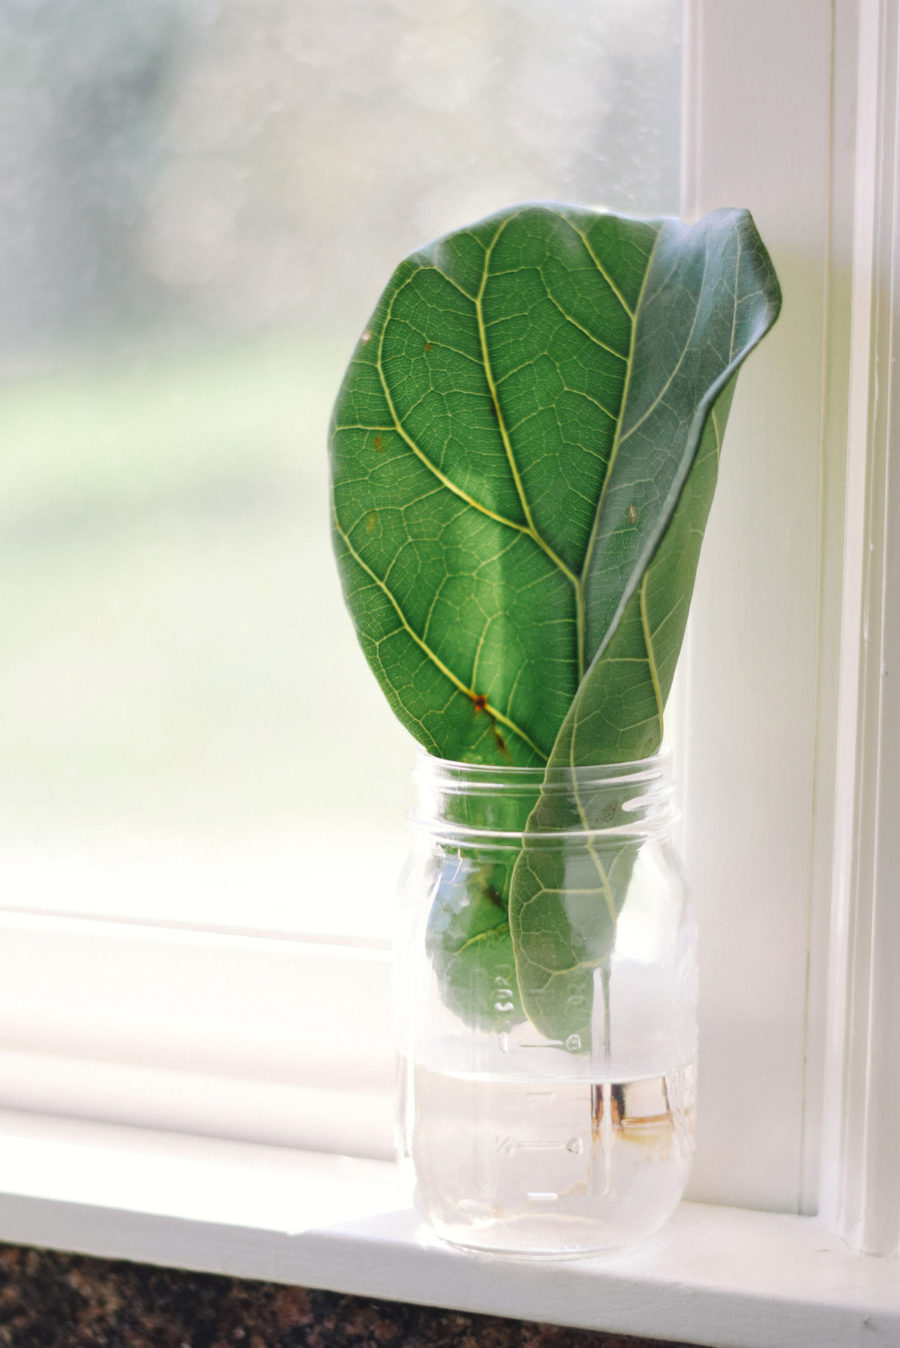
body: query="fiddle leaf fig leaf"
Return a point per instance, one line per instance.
(523, 456)
(710, 296)
(617, 712)
(470, 443)
(469, 943)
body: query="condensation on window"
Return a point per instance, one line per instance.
(199, 203)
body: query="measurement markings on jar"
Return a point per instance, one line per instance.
(509, 1145)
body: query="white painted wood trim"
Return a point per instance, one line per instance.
(861, 1177)
(715, 1276)
(764, 129)
(852, 799)
(276, 1040)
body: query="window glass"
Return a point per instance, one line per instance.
(199, 203)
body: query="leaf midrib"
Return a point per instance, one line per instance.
(532, 529)
(617, 438)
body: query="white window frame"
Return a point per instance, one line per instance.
(809, 92)
(821, 167)
(758, 131)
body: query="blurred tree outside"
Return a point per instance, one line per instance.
(200, 201)
(239, 164)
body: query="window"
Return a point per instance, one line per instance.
(205, 203)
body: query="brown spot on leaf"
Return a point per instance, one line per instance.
(500, 741)
(427, 346)
(378, 444)
(480, 702)
(632, 514)
(366, 337)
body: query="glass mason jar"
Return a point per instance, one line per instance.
(546, 1006)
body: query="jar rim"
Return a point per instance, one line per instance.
(629, 770)
(643, 792)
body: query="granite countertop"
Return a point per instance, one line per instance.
(52, 1300)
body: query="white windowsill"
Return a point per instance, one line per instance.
(717, 1276)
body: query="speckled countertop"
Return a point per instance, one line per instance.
(51, 1300)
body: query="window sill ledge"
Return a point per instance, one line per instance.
(716, 1276)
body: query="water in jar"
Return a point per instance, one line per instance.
(551, 1165)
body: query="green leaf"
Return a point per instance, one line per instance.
(470, 443)
(469, 943)
(710, 296)
(617, 713)
(521, 474)
(565, 901)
